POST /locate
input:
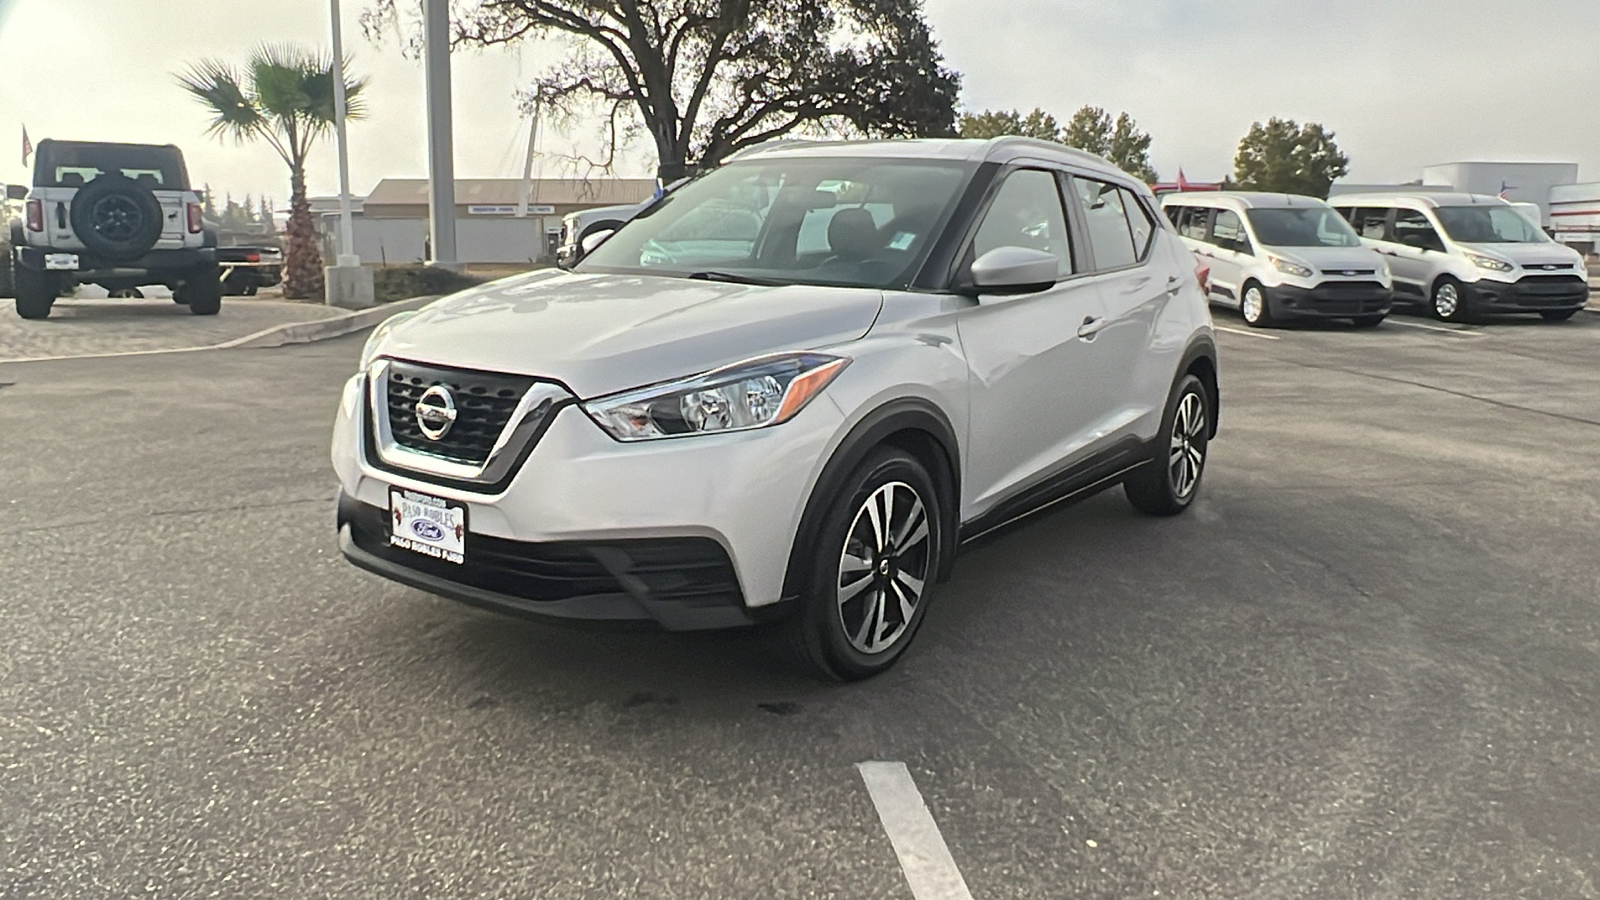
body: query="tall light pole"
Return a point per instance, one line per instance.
(347, 248)
(441, 160)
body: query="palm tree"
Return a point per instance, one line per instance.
(283, 95)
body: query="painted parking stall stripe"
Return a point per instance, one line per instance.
(1458, 332)
(924, 858)
(1249, 333)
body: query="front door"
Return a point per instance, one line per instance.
(1413, 252)
(1230, 251)
(1034, 390)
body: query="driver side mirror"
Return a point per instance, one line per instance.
(1014, 270)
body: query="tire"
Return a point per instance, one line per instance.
(1254, 308)
(1367, 321)
(867, 592)
(7, 289)
(36, 293)
(1171, 480)
(1449, 303)
(116, 217)
(132, 293)
(1557, 315)
(203, 291)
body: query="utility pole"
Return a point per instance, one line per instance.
(441, 159)
(347, 247)
(527, 166)
(346, 283)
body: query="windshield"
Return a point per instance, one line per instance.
(863, 222)
(1302, 226)
(1488, 225)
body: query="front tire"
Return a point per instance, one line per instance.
(874, 563)
(1254, 308)
(1170, 481)
(36, 293)
(203, 292)
(1449, 301)
(1557, 315)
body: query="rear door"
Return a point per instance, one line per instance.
(1194, 227)
(1035, 397)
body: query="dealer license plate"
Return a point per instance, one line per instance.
(428, 525)
(61, 261)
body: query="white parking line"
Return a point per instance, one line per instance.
(1270, 337)
(924, 858)
(1393, 321)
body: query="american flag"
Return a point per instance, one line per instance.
(27, 146)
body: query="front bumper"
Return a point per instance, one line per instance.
(1531, 293)
(1330, 300)
(628, 513)
(156, 262)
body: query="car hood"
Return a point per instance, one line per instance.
(599, 334)
(1331, 258)
(1549, 253)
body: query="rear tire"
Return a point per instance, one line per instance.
(871, 570)
(1254, 308)
(203, 292)
(36, 293)
(1170, 481)
(1367, 321)
(7, 289)
(1557, 315)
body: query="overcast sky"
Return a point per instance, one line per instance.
(1404, 83)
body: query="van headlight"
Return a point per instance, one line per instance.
(756, 393)
(1289, 267)
(1489, 262)
(370, 349)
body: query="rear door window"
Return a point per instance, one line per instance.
(1105, 213)
(1193, 222)
(1371, 222)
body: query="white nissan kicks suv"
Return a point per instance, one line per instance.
(793, 388)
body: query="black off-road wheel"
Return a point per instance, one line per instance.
(872, 567)
(117, 217)
(1169, 482)
(202, 292)
(36, 292)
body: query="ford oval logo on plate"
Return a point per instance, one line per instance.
(427, 530)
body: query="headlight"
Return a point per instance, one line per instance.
(1489, 262)
(381, 332)
(1291, 268)
(753, 394)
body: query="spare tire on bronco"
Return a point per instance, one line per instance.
(117, 217)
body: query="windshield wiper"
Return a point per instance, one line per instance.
(730, 278)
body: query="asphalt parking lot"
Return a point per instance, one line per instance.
(1364, 665)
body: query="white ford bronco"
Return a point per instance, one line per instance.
(116, 215)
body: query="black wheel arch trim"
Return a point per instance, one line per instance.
(873, 431)
(1203, 347)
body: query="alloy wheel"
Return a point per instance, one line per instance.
(883, 568)
(1188, 452)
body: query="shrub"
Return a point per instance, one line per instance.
(393, 283)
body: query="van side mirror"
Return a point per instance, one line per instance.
(591, 241)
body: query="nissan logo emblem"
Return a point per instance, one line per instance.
(436, 412)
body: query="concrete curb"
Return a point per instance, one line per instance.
(276, 336)
(322, 329)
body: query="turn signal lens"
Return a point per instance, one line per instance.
(1202, 274)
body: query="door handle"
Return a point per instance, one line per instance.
(1091, 326)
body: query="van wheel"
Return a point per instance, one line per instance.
(36, 292)
(1449, 301)
(1169, 482)
(1253, 306)
(874, 564)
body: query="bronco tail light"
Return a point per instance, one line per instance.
(195, 222)
(35, 215)
(1202, 274)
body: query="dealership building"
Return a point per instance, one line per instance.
(496, 222)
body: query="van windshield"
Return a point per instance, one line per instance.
(1302, 226)
(1488, 225)
(863, 222)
